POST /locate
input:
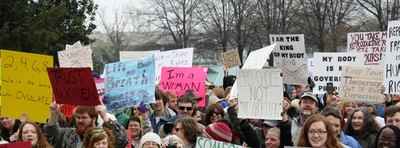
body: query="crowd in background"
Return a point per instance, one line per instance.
(327, 121)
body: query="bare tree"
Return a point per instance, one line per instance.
(243, 13)
(115, 31)
(382, 10)
(340, 12)
(177, 17)
(272, 17)
(217, 18)
(321, 20)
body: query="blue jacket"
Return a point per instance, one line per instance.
(349, 141)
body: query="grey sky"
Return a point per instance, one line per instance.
(108, 8)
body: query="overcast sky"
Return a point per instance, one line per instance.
(109, 7)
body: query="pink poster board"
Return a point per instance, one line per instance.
(180, 79)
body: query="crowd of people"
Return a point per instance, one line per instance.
(177, 121)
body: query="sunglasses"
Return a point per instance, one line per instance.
(183, 108)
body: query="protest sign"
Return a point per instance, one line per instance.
(202, 142)
(25, 85)
(75, 45)
(258, 58)
(135, 55)
(392, 59)
(173, 58)
(74, 86)
(233, 71)
(100, 87)
(27, 144)
(310, 66)
(129, 83)
(362, 83)
(215, 74)
(330, 66)
(371, 44)
(260, 94)
(255, 60)
(180, 79)
(289, 55)
(76, 57)
(231, 58)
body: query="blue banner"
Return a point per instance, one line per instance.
(128, 83)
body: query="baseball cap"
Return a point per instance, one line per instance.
(310, 96)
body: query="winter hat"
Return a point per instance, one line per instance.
(150, 136)
(219, 131)
(172, 140)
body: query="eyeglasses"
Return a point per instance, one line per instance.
(187, 108)
(318, 132)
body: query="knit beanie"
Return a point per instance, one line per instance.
(150, 136)
(219, 131)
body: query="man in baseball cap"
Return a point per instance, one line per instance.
(308, 106)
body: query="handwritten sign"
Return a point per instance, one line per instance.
(25, 85)
(330, 66)
(73, 86)
(17, 145)
(173, 58)
(202, 142)
(260, 94)
(231, 58)
(135, 55)
(129, 83)
(255, 60)
(289, 55)
(392, 59)
(371, 44)
(362, 83)
(180, 79)
(76, 57)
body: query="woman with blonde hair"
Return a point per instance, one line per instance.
(98, 138)
(317, 133)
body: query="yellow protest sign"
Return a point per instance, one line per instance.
(25, 86)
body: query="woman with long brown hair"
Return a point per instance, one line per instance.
(317, 133)
(187, 129)
(362, 126)
(29, 131)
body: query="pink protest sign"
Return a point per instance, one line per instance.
(180, 79)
